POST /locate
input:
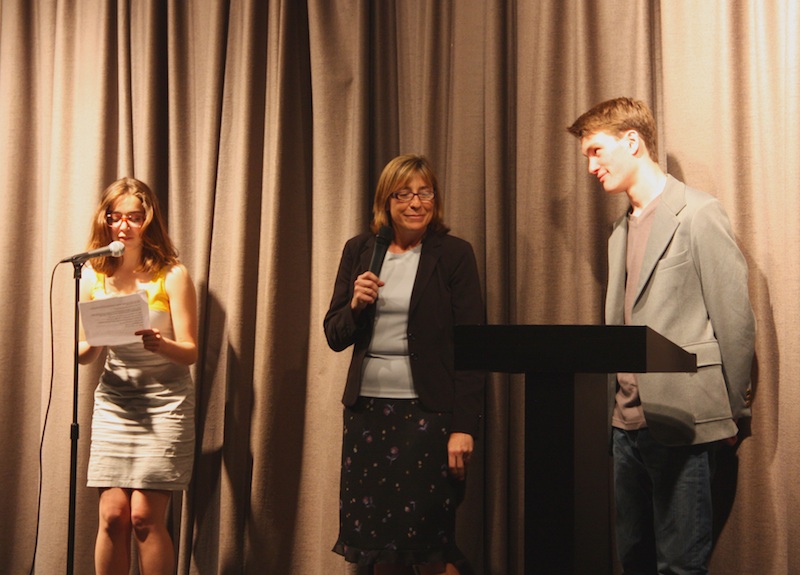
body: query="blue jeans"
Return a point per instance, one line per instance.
(663, 505)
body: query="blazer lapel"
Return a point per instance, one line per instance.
(665, 223)
(431, 251)
(366, 255)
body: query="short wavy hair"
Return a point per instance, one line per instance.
(616, 117)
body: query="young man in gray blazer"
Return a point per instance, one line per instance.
(673, 265)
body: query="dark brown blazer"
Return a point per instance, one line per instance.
(447, 292)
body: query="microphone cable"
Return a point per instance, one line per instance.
(44, 426)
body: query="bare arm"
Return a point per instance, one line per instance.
(183, 309)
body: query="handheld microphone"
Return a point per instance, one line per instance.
(114, 249)
(382, 241)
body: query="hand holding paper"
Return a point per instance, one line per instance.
(114, 320)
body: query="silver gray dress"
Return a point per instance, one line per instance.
(143, 422)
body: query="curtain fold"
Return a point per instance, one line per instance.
(263, 126)
(727, 103)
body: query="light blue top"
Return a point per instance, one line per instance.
(386, 370)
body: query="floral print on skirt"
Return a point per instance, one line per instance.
(397, 498)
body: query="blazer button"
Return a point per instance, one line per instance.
(414, 356)
(411, 336)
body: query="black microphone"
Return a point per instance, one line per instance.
(113, 249)
(382, 241)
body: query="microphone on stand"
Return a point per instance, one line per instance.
(114, 249)
(382, 241)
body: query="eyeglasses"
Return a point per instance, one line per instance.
(134, 219)
(406, 196)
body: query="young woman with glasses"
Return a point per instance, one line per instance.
(142, 443)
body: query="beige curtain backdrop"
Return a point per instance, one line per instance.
(263, 124)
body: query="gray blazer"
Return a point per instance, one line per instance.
(692, 290)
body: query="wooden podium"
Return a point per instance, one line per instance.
(567, 464)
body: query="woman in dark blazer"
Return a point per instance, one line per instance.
(410, 418)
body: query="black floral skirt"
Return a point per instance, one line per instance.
(397, 499)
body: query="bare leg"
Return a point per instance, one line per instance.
(112, 551)
(148, 514)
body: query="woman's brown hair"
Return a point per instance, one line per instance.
(158, 251)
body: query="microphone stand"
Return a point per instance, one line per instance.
(75, 427)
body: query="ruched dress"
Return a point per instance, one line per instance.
(143, 422)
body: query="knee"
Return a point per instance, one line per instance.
(115, 517)
(142, 522)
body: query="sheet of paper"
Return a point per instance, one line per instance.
(114, 320)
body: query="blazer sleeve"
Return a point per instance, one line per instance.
(723, 272)
(467, 309)
(341, 326)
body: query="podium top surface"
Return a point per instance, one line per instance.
(568, 349)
